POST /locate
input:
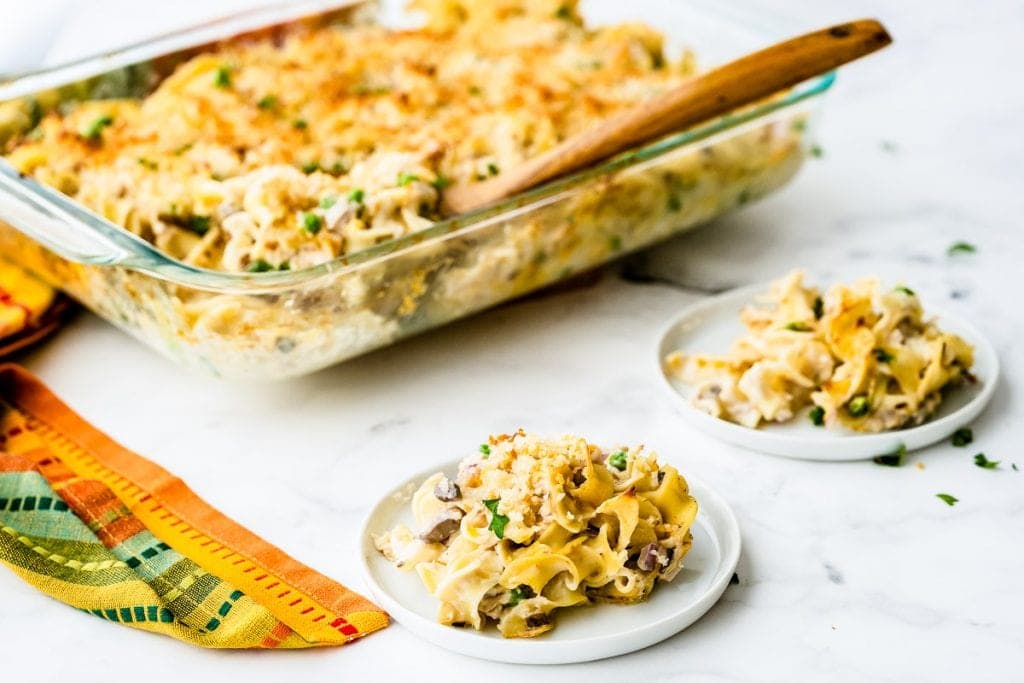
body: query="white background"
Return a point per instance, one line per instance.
(850, 571)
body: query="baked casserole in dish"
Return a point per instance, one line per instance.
(259, 197)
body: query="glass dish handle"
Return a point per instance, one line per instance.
(69, 231)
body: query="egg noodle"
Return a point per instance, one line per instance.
(863, 356)
(531, 525)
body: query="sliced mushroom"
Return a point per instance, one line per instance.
(443, 526)
(447, 490)
(649, 558)
(537, 620)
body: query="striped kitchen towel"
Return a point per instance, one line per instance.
(104, 530)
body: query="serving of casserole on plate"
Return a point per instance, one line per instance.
(268, 204)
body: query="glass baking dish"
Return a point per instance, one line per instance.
(282, 324)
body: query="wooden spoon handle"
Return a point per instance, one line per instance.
(699, 99)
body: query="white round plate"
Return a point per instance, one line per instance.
(710, 326)
(581, 633)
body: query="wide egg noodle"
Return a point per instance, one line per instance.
(545, 525)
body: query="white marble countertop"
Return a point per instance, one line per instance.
(849, 571)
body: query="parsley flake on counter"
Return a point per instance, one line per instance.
(962, 437)
(498, 520)
(618, 460)
(981, 461)
(947, 499)
(893, 459)
(961, 248)
(817, 416)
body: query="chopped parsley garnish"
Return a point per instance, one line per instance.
(674, 203)
(618, 460)
(563, 12)
(312, 223)
(981, 461)
(328, 201)
(906, 290)
(94, 130)
(441, 182)
(816, 151)
(947, 499)
(493, 169)
(485, 449)
(615, 243)
(310, 167)
(798, 327)
(475, 91)
(222, 77)
(300, 124)
(892, 459)
(356, 196)
(962, 437)
(267, 102)
(259, 266)
(200, 225)
(817, 416)
(883, 356)
(147, 163)
(961, 248)
(406, 178)
(498, 520)
(518, 594)
(859, 406)
(1015, 468)
(818, 308)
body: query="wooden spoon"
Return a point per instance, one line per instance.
(738, 83)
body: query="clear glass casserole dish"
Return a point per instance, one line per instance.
(281, 324)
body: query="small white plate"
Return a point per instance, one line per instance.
(581, 633)
(711, 326)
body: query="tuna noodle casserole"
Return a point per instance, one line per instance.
(532, 525)
(862, 356)
(328, 144)
(266, 156)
